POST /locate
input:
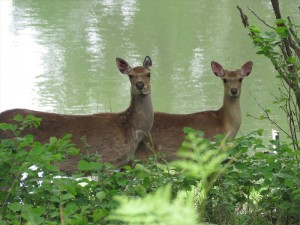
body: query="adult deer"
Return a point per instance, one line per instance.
(167, 131)
(113, 135)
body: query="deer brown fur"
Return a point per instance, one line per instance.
(167, 131)
(115, 136)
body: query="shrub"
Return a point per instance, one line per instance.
(33, 190)
(242, 182)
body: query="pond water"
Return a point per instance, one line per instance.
(59, 56)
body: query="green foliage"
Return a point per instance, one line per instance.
(157, 208)
(200, 158)
(281, 44)
(261, 184)
(200, 164)
(243, 182)
(270, 182)
(41, 194)
(28, 121)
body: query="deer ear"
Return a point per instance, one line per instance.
(246, 68)
(147, 62)
(217, 69)
(123, 66)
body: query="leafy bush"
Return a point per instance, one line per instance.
(260, 185)
(281, 45)
(33, 190)
(157, 208)
(200, 164)
(242, 182)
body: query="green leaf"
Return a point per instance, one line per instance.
(187, 130)
(54, 198)
(70, 209)
(95, 166)
(6, 126)
(101, 195)
(139, 167)
(57, 157)
(140, 190)
(121, 181)
(33, 215)
(260, 132)
(258, 40)
(66, 196)
(73, 151)
(38, 211)
(15, 207)
(279, 21)
(291, 60)
(260, 155)
(2, 222)
(146, 182)
(32, 121)
(254, 29)
(99, 214)
(36, 151)
(155, 209)
(271, 34)
(127, 168)
(18, 118)
(88, 166)
(289, 183)
(52, 168)
(282, 32)
(268, 175)
(52, 140)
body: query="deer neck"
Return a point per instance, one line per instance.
(139, 115)
(231, 115)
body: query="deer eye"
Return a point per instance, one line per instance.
(148, 74)
(130, 76)
(240, 80)
(225, 80)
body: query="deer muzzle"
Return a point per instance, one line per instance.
(139, 85)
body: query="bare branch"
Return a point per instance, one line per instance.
(295, 47)
(243, 17)
(294, 39)
(288, 71)
(268, 117)
(264, 22)
(292, 31)
(276, 9)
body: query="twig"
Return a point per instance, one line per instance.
(295, 47)
(276, 9)
(61, 213)
(292, 31)
(267, 116)
(293, 39)
(291, 118)
(243, 17)
(264, 22)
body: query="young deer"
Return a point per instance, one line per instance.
(167, 131)
(115, 136)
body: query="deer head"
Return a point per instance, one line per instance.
(139, 76)
(232, 80)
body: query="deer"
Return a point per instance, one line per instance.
(167, 131)
(115, 136)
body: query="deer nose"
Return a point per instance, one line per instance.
(139, 85)
(234, 91)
